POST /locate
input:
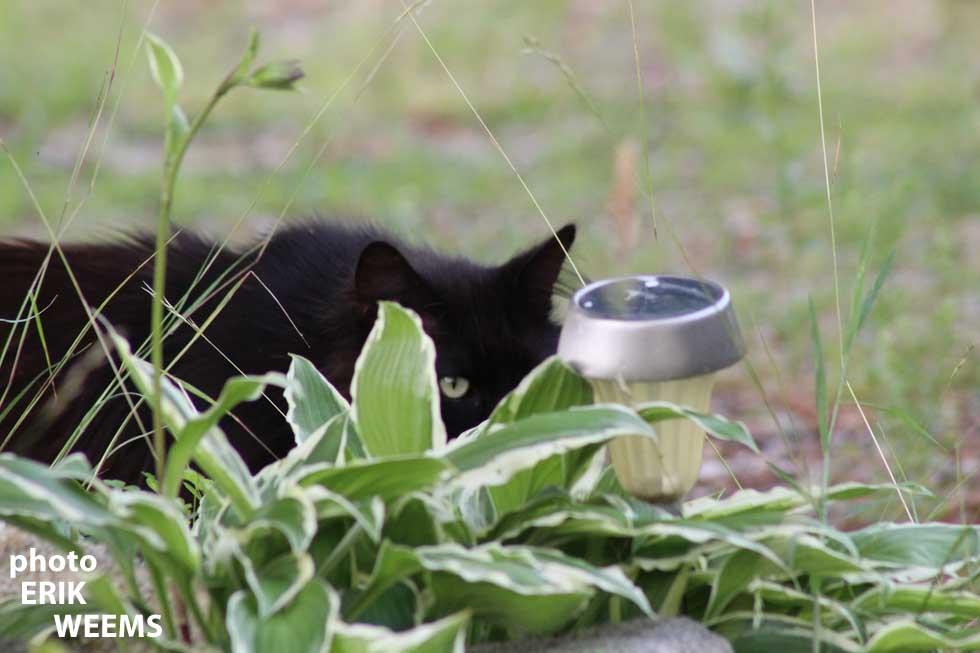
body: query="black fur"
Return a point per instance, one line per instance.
(489, 324)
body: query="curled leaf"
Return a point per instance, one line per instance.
(278, 75)
(164, 66)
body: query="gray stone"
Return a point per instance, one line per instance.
(675, 635)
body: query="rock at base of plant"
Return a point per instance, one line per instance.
(676, 635)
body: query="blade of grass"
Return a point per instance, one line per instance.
(881, 454)
(648, 174)
(64, 259)
(493, 139)
(826, 170)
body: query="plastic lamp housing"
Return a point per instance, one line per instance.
(653, 338)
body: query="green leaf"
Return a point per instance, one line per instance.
(858, 289)
(400, 608)
(292, 515)
(248, 58)
(665, 536)
(534, 590)
(558, 515)
(278, 582)
(716, 425)
(919, 599)
(907, 636)
(305, 625)
(325, 445)
(22, 622)
(872, 295)
(177, 125)
(214, 453)
(921, 545)
(525, 484)
(761, 632)
(368, 513)
(806, 554)
(494, 457)
(499, 581)
(780, 500)
(32, 490)
(738, 570)
(392, 564)
(163, 518)
(278, 76)
(312, 401)
(782, 597)
(394, 390)
(387, 478)
(164, 67)
(235, 391)
(447, 635)
(820, 381)
(549, 387)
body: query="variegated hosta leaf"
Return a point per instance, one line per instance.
(388, 478)
(312, 401)
(557, 513)
(716, 425)
(394, 389)
(919, 599)
(447, 635)
(143, 513)
(774, 594)
(368, 513)
(521, 588)
(907, 636)
(761, 632)
(277, 582)
(20, 623)
(501, 583)
(292, 516)
(495, 456)
(549, 387)
(922, 545)
(304, 625)
(749, 504)
(326, 444)
(663, 537)
(32, 490)
(214, 453)
(401, 607)
(806, 554)
(235, 391)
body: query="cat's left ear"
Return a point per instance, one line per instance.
(536, 270)
(383, 273)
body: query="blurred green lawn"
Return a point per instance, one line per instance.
(734, 157)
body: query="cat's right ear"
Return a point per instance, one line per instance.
(384, 274)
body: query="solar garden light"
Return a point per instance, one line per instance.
(653, 338)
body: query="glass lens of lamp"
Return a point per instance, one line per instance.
(665, 469)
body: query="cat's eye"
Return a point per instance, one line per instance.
(454, 387)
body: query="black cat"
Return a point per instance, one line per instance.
(313, 291)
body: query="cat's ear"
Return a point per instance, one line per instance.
(383, 273)
(536, 270)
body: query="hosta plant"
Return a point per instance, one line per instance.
(376, 534)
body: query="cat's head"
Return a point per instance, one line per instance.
(490, 325)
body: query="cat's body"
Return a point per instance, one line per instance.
(313, 292)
